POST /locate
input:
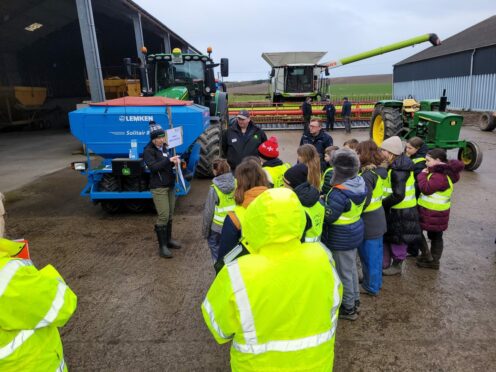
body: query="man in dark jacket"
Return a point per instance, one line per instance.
(346, 114)
(162, 182)
(317, 137)
(306, 109)
(330, 111)
(241, 140)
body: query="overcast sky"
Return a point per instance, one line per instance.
(243, 30)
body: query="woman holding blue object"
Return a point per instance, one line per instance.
(162, 182)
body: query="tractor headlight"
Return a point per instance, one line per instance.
(207, 89)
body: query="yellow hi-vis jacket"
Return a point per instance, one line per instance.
(409, 200)
(316, 213)
(376, 198)
(226, 204)
(439, 201)
(275, 174)
(278, 305)
(33, 304)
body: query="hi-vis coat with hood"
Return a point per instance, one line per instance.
(279, 304)
(33, 304)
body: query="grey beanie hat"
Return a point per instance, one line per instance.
(393, 145)
(345, 165)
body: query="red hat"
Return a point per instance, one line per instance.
(269, 149)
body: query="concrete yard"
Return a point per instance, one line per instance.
(139, 312)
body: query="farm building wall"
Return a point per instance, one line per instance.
(426, 79)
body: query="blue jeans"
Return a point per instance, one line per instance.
(371, 256)
(213, 241)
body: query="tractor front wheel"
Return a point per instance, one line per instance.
(471, 156)
(386, 122)
(210, 149)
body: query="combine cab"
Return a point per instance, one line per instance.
(427, 120)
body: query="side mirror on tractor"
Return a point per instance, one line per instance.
(224, 67)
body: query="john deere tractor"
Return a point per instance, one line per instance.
(425, 119)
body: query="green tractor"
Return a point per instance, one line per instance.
(427, 120)
(190, 77)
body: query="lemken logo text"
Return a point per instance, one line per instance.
(146, 118)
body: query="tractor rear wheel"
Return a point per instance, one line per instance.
(487, 121)
(210, 149)
(110, 183)
(386, 122)
(471, 156)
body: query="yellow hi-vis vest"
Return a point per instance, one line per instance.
(330, 169)
(264, 321)
(352, 216)
(275, 174)
(409, 200)
(418, 160)
(439, 201)
(33, 304)
(316, 213)
(376, 198)
(226, 204)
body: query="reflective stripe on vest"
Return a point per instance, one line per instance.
(211, 315)
(418, 160)
(226, 204)
(61, 366)
(409, 200)
(376, 199)
(276, 174)
(316, 214)
(8, 272)
(352, 216)
(440, 200)
(248, 325)
(48, 319)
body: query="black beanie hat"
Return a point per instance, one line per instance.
(296, 175)
(156, 130)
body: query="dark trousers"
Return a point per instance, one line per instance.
(347, 124)
(306, 122)
(330, 124)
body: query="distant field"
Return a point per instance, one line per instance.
(351, 90)
(370, 87)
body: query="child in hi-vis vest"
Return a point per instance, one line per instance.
(268, 152)
(220, 200)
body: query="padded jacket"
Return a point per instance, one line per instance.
(160, 166)
(402, 224)
(338, 201)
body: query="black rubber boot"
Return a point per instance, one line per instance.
(436, 251)
(426, 253)
(162, 238)
(171, 243)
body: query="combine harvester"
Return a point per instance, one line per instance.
(297, 75)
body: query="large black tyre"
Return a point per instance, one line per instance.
(136, 183)
(210, 142)
(487, 121)
(110, 183)
(471, 156)
(386, 122)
